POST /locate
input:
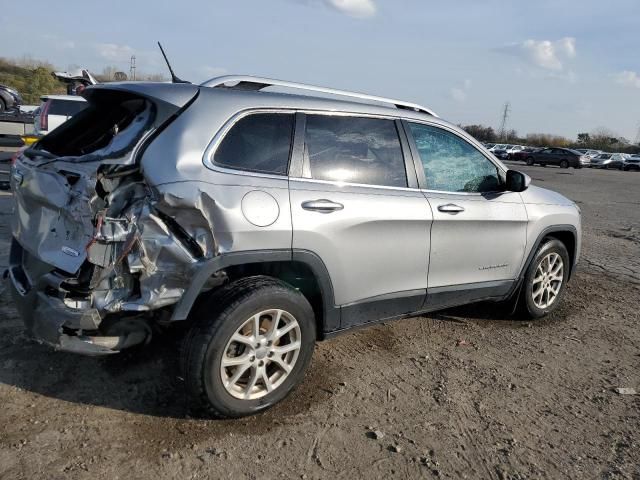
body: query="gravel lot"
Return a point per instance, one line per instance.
(467, 393)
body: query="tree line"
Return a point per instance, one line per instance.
(599, 139)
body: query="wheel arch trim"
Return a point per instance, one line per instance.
(202, 272)
(561, 228)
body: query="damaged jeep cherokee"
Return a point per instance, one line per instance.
(266, 220)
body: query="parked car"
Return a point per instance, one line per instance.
(608, 160)
(632, 162)
(524, 153)
(498, 146)
(10, 99)
(511, 149)
(562, 157)
(264, 222)
(55, 110)
(501, 153)
(589, 153)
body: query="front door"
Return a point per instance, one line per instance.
(354, 208)
(478, 236)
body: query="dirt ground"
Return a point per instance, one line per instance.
(466, 393)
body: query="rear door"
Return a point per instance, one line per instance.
(478, 235)
(355, 205)
(545, 156)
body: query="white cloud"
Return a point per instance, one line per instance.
(459, 94)
(355, 8)
(567, 46)
(114, 52)
(546, 54)
(628, 79)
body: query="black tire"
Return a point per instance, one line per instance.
(3, 106)
(527, 305)
(530, 161)
(216, 320)
(564, 164)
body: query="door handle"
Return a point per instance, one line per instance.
(322, 206)
(450, 208)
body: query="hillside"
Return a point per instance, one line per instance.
(30, 82)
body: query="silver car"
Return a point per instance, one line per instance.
(266, 221)
(608, 160)
(631, 162)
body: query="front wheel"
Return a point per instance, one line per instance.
(249, 347)
(545, 279)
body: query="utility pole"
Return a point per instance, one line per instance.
(505, 116)
(132, 68)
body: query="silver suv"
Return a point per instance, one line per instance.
(265, 221)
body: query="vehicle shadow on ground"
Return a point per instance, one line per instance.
(145, 381)
(148, 380)
(503, 315)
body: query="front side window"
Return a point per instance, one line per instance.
(354, 150)
(451, 164)
(260, 142)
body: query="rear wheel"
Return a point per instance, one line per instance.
(545, 279)
(564, 164)
(249, 347)
(529, 161)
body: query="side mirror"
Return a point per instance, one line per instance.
(517, 181)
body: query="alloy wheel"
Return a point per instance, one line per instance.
(548, 280)
(261, 354)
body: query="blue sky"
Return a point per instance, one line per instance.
(566, 66)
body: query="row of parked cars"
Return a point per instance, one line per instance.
(565, 157)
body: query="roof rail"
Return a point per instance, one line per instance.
(245, 82)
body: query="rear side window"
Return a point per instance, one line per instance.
(354, 150)
(67, 108)
(109, 126)
(260, 142)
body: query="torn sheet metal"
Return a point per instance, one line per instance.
(94, 217)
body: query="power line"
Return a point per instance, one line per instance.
(132, 68)
(505, 116)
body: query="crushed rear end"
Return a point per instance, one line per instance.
(93, 254)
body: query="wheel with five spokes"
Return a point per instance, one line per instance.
(545, 279)
(249, 347)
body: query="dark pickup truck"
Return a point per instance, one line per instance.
(562, 157)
